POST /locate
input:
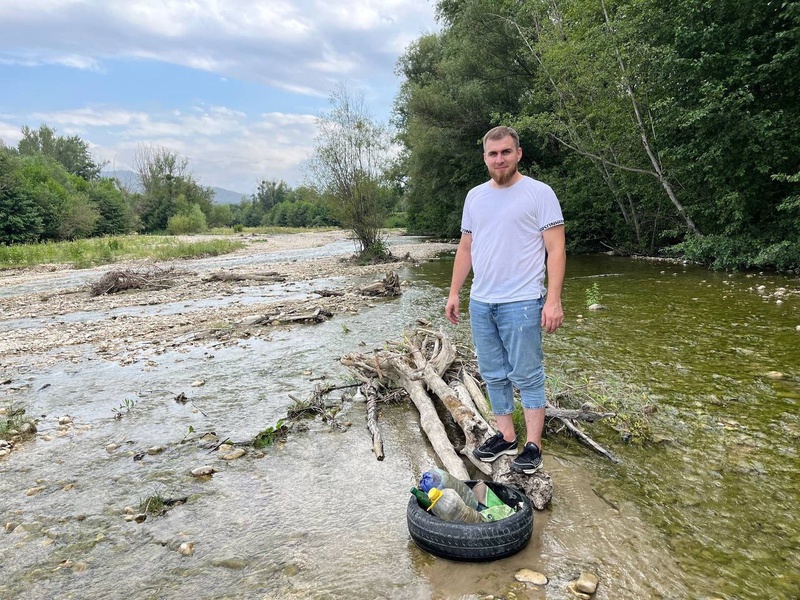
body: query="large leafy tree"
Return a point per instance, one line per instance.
(20, 221)
(455, 83)
(71, 152)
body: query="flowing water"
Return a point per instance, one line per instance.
(712, 514)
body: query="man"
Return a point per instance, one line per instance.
(512, 232)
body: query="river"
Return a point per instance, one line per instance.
(710, 512)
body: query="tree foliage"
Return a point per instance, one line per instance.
(657, 124)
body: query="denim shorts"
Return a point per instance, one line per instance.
(508, 340)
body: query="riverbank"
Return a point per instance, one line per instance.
(55, 296)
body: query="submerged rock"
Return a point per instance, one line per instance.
(530, 576)
(587, 583)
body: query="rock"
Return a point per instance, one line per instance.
(64, 420)
(155, 450)
(129, 510)
(238, 453)
(587, 583)
(596, 307)
(140, 518)
(27, 427)
(225, 448)
(775, 375)
(204, 471)
(573, 590)
(530, 576)
(4, 452)
(186, 548)
(35, 490)
(4, 444)
(111, 447)
(198, 383)
(797, 328)
(9, 527)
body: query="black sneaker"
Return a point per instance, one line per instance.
(529, 460)
(494, 448)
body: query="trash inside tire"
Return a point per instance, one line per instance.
(474, 542)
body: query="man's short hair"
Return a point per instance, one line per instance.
(498, 133)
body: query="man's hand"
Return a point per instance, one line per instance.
(552, 315)
(451, 309)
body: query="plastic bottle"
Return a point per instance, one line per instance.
(422, 498)
(441, 479)
(448, 506)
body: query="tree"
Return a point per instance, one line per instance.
(20, 222)
(70, 152)
(168, 187)
(350, 156)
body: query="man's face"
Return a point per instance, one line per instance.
(501, 158)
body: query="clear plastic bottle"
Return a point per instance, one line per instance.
(448, 506)
(441, 479)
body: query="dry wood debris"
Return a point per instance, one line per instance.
(146, 279)
(427, 366)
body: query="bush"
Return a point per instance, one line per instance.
(183, 223)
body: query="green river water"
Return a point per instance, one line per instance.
(724, 483)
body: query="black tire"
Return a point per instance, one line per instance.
(474, 542)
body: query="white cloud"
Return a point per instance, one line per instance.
(294, 45)
(304, 47)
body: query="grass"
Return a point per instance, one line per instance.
(99, 251)
(13, 420)
(153, 505)
(270, 435)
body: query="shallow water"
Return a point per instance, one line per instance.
(319, 517)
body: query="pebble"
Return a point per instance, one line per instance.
(35, 490)
(596, 307)
(198, 383)
(4, 451)
(186, 548)
(140, 518)
(111, 447)
(573, 590)
(775, 375)
(530, 576)
(64, 420)
(238, 453)
(155, 450)
(203, 471)
(587, 583)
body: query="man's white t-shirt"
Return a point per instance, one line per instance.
(508, 252)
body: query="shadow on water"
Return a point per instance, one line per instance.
(319, 517)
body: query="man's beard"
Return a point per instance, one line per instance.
(503, 177)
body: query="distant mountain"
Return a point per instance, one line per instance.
(130, 180)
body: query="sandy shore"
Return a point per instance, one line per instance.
(37, 322)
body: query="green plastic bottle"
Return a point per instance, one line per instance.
(422, 498)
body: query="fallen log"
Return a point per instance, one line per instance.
(272, 276)
(318, 315)
(372, 419)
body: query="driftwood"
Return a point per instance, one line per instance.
(318, 315)
(120, 281)
(227, 276)
(388, 286)
(372, 419)
(427, 367)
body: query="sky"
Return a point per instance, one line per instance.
(234, 86)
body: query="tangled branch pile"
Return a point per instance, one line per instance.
(119, 281)
(427, 366)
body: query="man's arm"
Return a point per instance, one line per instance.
(555, 243)
(461, 268)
